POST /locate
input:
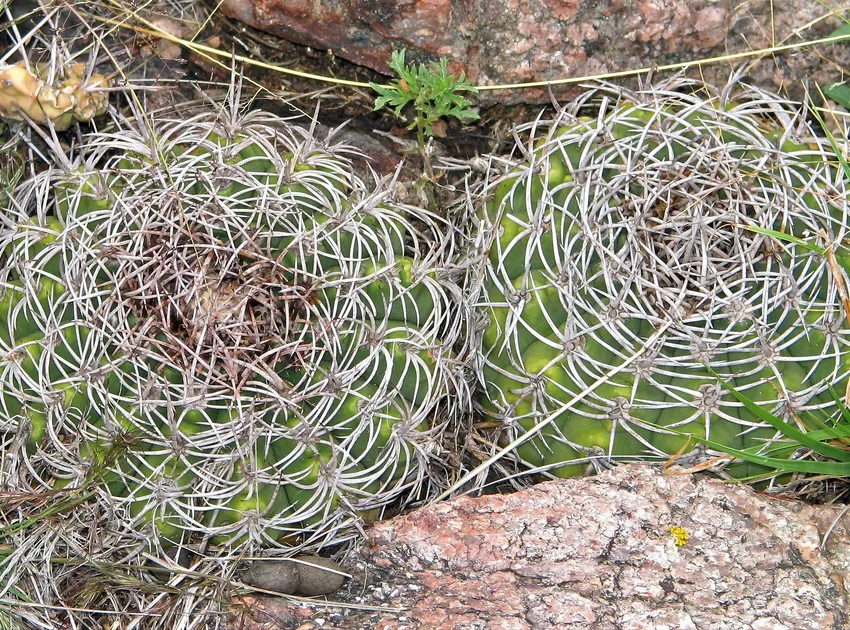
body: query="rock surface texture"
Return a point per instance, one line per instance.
(601, 553)
(510, 41)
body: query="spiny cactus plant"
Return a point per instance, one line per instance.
(640, 246)
(224, 328)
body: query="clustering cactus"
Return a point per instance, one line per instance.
(675, 235)
(227, 339)
(219, 324)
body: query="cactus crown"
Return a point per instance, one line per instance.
(216, 267)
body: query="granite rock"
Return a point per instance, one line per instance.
(631, 548)
(511, 41)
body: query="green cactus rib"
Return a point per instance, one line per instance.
(613, 225)
(245, 341)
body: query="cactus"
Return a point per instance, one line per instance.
(219, 322)
(679, 235)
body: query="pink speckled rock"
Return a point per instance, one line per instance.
(594, 553)
(510, 41)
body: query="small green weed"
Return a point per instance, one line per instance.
(433, 92)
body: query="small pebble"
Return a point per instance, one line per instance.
(281, 576)
(316, 579)
(309, 576)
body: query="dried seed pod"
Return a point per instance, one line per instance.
(679, 232)
(26, 94)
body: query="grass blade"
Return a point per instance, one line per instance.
(788, 430)
(790, 238)
(841, 469)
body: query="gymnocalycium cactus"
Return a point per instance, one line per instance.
(675, 235)
(221, 320)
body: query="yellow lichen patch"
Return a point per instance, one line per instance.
(680, 535)
(25, 94)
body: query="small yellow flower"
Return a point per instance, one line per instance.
(680, 535)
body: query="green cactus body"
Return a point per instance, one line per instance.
(635, 221)
(230, 332)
